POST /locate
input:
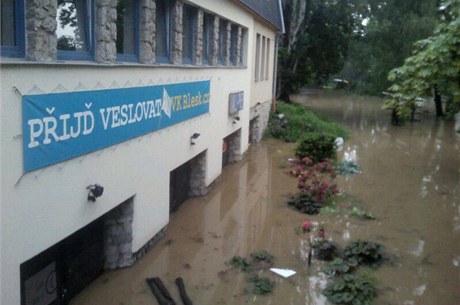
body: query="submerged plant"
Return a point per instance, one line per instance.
(347, 167)
(239, 262)
(316, 146)
(262, 285)
(361, 214)
(351, 289)
(339, 266)
(365, 253)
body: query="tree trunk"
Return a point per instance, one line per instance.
(438, 102)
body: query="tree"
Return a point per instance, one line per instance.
(316, 41)
(390, 28)
(433, 68)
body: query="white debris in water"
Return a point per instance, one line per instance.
(418, 250)
(456, 261)
(419, 290)
(346, 235)
(283, 272)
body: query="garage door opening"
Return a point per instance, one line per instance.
(231, 148)
(187, 180)
(59, 273)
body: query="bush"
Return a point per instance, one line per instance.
(318, 147)
(296, 121)
(365, 253)
(351, 289)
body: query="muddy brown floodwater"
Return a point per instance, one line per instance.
(409, 181)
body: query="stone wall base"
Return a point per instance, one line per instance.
(259, 116)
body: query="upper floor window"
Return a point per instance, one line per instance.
(267, 60)
(262, 62)
(73, 30)
(12, 28)
(222, 41)
(234, 44)
(163, 30)
(189, 16)
(208, 25)
(257, 62)
(127, 30)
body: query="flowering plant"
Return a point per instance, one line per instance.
(315, 179)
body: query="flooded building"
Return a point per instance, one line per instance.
(112, 114)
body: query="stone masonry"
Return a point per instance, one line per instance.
(228, 43)
(147, 32)
(106, 31)
(118, 236)
(238, 46)
(177, 32)
(215, 42)
(198, 43)
(259, 115)
(41, 39)
(197, 178)
(234, 147)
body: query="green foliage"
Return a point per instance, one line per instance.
(339, 266)
(262, 285)
(365, 253)
(298, 121)
(358, 212)
(316, 146)
(239, 262)
(262, 256)
(347, 168)
(305, 203)
(386, 40)
(351, 289)
(316, 41)
(433, 66)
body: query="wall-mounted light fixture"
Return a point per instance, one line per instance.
(193, 138)
(236, 119)
(95, 191)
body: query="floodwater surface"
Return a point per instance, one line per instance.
(409, 181)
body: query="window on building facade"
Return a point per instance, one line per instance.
(73, 30)
(267, 60)
(257, 63)
(127, 30)
(163, 31)
(244, 33)
(222, 41)
(189, 16)
(12, 28)
(262, 61)
(234, 45)
(208, 24)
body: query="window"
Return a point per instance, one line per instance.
(262, 63)
(267, 58)
(234, 44)
(257, 63)
(189, 16)
(12, 28)
(163, 31)
(73, 30)
(243, 37)
(222, 41)
(127, 30)
(208, 24)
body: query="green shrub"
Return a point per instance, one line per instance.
(365, 253)
(351, 289)
(318, 147)
(296, 121)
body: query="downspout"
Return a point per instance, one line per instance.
(275, 65)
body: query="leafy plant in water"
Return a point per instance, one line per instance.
(351, 289)
(262, 255)
(305, 203)
(239, 262)
(347, 167)
(339, 266)
(262, 285)
(361, 213)
(316, 146)
(365, 253)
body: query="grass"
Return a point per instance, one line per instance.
(298, 122)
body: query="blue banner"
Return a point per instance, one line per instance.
(62, 126)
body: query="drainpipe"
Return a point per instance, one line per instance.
(275, 65)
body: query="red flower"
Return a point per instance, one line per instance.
(306, 226)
